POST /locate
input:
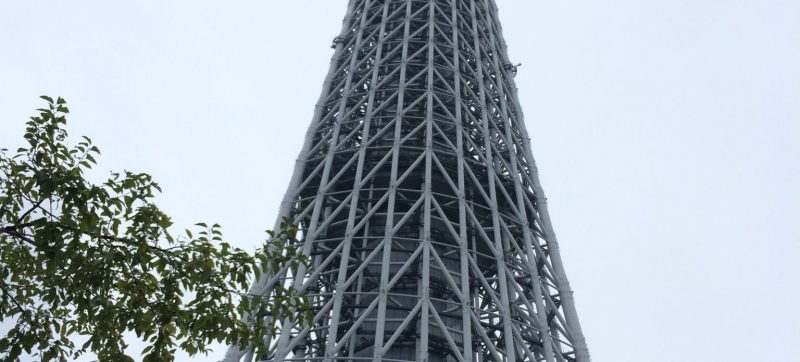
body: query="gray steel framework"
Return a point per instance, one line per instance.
(425, 223)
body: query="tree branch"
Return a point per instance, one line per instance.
(7, 293)
(34, 207)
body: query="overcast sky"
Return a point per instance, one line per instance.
(667, 134)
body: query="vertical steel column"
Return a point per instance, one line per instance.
(344, 260)
(422, 348)
(501, 267)
(388, 234)
(463, 250)
(364, 142)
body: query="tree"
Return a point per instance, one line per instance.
(98, 260)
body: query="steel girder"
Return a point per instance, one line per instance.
(423, 216)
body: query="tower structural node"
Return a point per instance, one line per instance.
(423, 217)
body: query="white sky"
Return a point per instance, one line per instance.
(666, 133)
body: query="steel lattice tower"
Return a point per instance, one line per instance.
(424, 219)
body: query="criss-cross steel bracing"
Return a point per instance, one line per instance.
(423, 216)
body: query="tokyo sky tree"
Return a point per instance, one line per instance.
(424, 221)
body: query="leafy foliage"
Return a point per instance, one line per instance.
(78, 258)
